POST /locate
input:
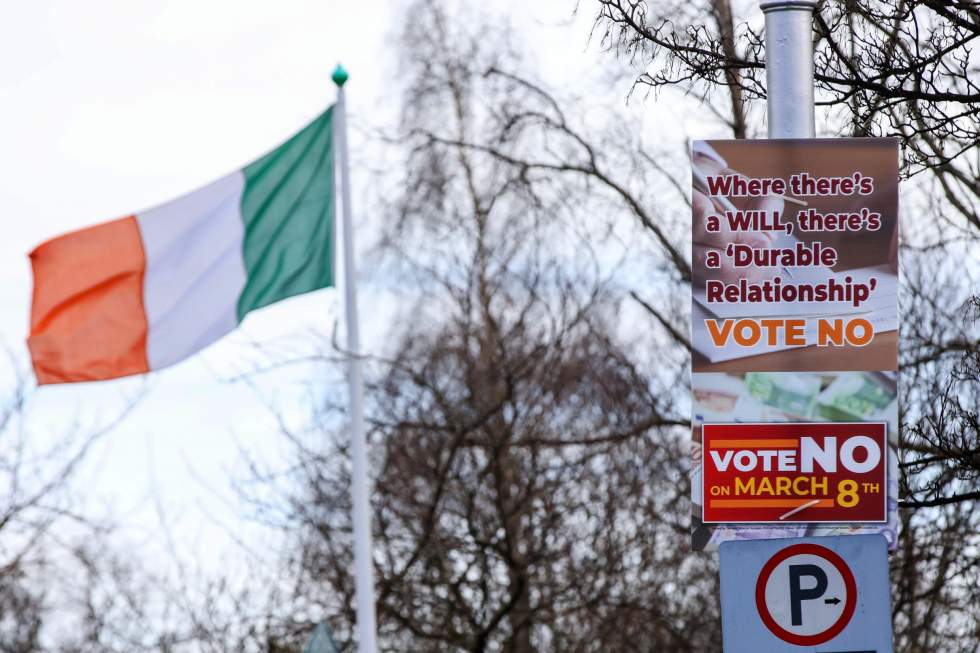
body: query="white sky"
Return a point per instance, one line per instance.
(110, 106)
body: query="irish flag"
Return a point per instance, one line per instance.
(145, 291)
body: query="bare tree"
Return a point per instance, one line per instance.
(527, 430)
(35, 475)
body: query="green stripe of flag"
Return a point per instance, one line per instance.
(287, 209)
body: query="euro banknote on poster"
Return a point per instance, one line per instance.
(795, 336)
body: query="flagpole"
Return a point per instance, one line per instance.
(360, 501)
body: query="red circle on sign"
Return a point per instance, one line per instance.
(850, 601)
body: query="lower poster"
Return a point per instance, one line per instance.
(780, 439)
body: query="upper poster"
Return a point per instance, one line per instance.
(795, 255)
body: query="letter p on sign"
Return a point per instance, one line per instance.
(796, 592)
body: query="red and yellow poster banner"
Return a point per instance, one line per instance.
(798, 472)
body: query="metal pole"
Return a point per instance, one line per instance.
(789, 67)
(360, 484)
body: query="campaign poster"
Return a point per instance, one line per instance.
(795, 338)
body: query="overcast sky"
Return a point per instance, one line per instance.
(112, 106)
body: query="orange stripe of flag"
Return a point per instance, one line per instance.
(87, 317)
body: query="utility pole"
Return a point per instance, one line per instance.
(789, 67)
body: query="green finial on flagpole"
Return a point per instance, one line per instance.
(339, 75)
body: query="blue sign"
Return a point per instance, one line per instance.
(818, 594)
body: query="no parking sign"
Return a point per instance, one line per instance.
(827, 595)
